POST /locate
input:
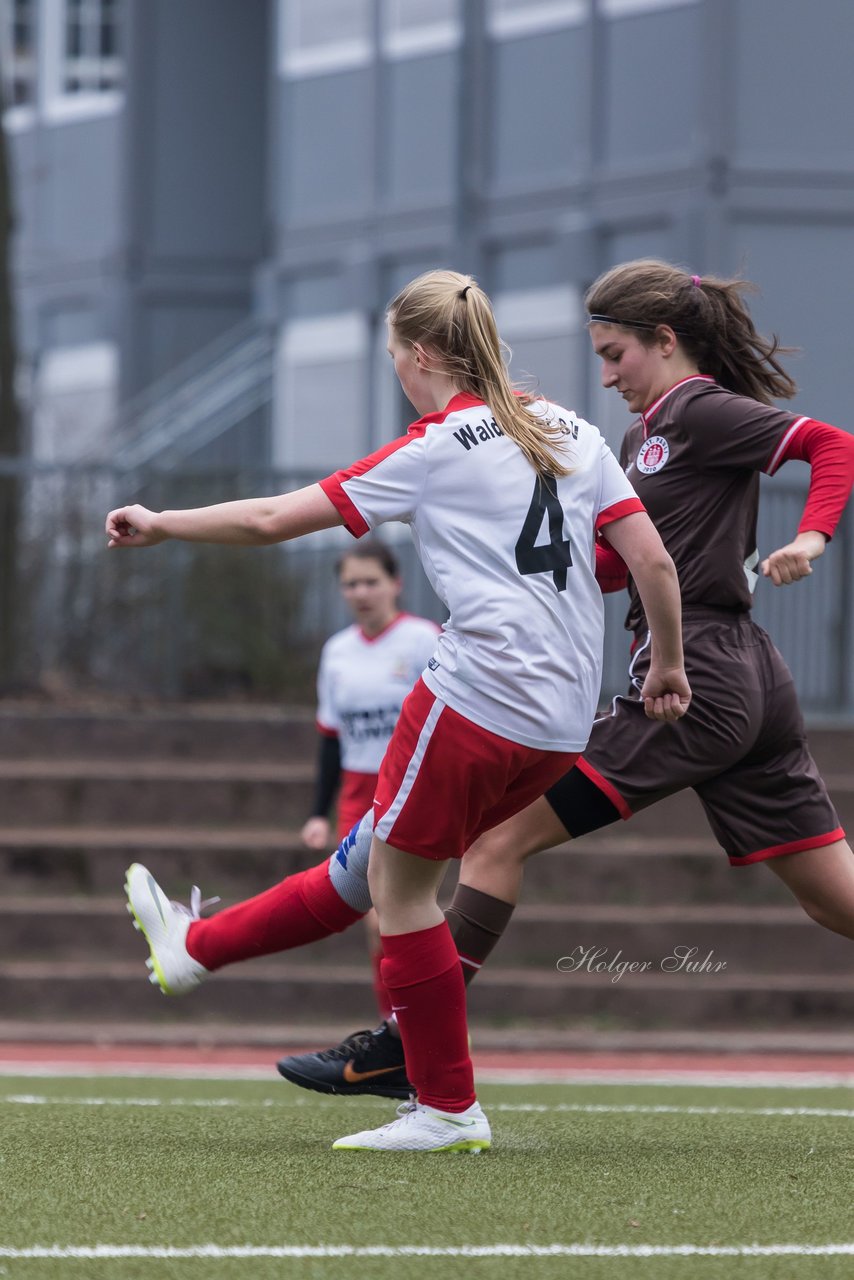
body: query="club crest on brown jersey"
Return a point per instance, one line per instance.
(652, 455)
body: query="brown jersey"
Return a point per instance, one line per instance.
(694, 458)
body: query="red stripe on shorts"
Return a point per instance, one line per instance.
(794, 846)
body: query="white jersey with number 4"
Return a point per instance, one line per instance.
(512, 558)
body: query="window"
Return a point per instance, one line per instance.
(82, 58)
(91, 62)
(413, 28)
(509, 18)
(317, 36)
(18, 54)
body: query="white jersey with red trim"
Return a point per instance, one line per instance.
(511, 556)
(362, 682)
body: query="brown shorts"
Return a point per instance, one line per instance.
(742, 747)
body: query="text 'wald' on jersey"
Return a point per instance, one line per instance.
(488, 429)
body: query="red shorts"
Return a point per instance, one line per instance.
(354, 799)
(444, 780)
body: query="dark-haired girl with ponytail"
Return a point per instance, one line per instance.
(683, 353)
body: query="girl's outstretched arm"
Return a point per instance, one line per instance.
(248, 522)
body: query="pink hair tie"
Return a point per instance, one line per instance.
(695, 280)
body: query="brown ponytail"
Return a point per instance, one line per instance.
(709, 317)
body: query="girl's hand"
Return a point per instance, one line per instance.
(666, 693)
(315, 833)
(133, 526)
(792, 562)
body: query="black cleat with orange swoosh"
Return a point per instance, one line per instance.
(366, 1062)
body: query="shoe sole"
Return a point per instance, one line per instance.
(344, 1091)
(473, 1148)
(156, 976)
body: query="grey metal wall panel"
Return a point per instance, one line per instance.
(419, 135)
(205, 124)
(805, 270)
(318, 294)
(327, 139)
(525, 266)
(539, 89)
(71, 191)
(792, 102)
(26, 182)
(653, 81)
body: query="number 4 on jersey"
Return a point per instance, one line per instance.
(554, 556)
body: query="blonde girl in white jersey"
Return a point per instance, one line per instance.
(505, 496)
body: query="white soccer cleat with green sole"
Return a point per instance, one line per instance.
(164, 925)
(421, 1128)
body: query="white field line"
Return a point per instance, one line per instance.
(498, 1075)
(213, 1251)
(557, 1108)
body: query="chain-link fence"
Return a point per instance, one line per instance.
(187, 620)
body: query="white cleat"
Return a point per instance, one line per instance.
(164, 925)
(423, 1128)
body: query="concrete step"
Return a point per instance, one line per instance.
(238, 794)
(221, 730)
(826, 1050)
(611, 867)
(285, 992)
(576, 939)
(186, 731)
(213, 793)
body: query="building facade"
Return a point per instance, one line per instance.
(189, 174)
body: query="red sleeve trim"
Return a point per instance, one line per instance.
(617, 510)
(602, 783)
(794, 846)
(354, 521)
(333, 486)
(830, 454)
(325, 730)
(611, 571)
(781, 454)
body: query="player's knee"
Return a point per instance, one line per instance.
(500, 845)
(838, 917)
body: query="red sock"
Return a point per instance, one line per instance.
(381, 995)
(301, 909)
(423, 976)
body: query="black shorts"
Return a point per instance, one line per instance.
(742, 747)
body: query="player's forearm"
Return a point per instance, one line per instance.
(658, 587)
(251, 521)
(636, 539)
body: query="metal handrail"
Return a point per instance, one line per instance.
(197, 401)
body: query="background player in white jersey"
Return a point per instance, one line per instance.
(365, 672)
(504, 496)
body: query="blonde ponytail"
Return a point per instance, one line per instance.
(449, 314)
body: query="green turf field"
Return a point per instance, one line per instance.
(601, 1173)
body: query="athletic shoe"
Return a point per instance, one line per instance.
(366, 1062)
(164, 925)
(423, 1128)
